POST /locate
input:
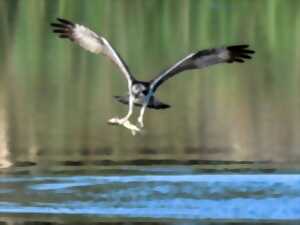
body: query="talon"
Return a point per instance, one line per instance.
(123, 121)
(133, 132)
(140, 121)
(114, 121)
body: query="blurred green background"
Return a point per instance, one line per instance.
(55, 98)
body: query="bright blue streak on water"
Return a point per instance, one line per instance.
(257, 197)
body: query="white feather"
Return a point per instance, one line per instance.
(223, 53)
(90, 41)
(87, 39)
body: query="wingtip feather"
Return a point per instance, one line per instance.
(238, 47)
(65, 21)
(59, 31)
(240, 53)
(64, 36)
(58, 25)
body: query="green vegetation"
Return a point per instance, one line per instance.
(57, 97)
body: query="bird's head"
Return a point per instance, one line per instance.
(138, 88)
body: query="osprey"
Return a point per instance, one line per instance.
(141, 93)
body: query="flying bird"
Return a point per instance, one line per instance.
(141, 93)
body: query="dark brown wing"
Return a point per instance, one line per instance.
(204, 58)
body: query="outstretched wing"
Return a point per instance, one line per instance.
(90, 41)
(204, 58)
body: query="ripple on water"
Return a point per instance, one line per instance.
(192, 196)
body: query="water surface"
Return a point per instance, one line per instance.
(156, 193)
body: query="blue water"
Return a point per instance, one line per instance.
(255, 197)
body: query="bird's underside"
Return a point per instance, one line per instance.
(141, 93)
(152, 104)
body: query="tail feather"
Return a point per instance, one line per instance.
(153, 103)
(122, 99)
(156, 104)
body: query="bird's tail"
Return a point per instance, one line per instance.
(153, 103)
(122, 99)
(156, 104)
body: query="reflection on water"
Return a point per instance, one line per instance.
(4, 147)
(56, 98)
(145, 193)
(164, 192)
(98, 166)
(85, 221)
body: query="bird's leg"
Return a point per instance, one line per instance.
(125, 118)
(122, 121)
(141, 116)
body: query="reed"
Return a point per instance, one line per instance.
(60, 97)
